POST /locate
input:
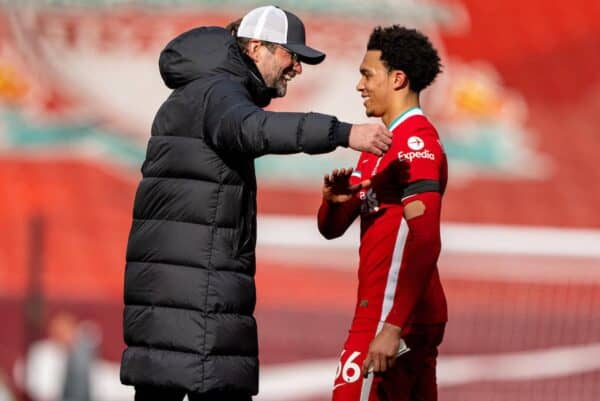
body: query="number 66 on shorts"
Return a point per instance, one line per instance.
(349, 370)
(348, 376)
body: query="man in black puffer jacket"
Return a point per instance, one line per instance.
(189, 280)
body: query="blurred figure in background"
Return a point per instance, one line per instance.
(46, 362)
(189, 281)
(82, 354)
(390, 353)
(59, 367)
(5, 394)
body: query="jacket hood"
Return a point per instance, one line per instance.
(207, 51)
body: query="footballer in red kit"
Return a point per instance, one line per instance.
(400, 314)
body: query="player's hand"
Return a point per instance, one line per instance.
(372, 138)
(336, 186)
(388, 184)
(383, 350)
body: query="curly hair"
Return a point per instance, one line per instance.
(407, 50)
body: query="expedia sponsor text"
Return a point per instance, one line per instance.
(410, 156)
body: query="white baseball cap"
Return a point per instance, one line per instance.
(272, 24)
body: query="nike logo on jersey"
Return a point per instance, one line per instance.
(339, 385)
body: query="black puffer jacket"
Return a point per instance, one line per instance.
(189, 281)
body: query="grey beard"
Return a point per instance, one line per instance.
(280, 89)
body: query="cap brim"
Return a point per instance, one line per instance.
(306, 54)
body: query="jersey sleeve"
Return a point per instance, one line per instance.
(422, 154)
(334, 219)
(412, 165)
(419, 158)
(420, 252)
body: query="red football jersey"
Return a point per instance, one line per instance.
(388, 273)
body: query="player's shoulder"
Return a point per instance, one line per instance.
(415, 130)
(421, 125)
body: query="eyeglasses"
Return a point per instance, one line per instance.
(294, 56)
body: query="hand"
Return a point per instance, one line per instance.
(336, 186)
(372, 138)
(389, 183)
(383, 350)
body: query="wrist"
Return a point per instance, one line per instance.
(332, 200)
(393, 329)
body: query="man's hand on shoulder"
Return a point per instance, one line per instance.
(372, 138)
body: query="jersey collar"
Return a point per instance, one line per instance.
(413, 111)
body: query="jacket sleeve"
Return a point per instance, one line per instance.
(233, 123)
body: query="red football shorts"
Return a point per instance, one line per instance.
(412, 378)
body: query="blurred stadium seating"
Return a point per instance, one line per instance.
(517, 107)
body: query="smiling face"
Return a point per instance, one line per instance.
(277, 66)
(376, 85)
